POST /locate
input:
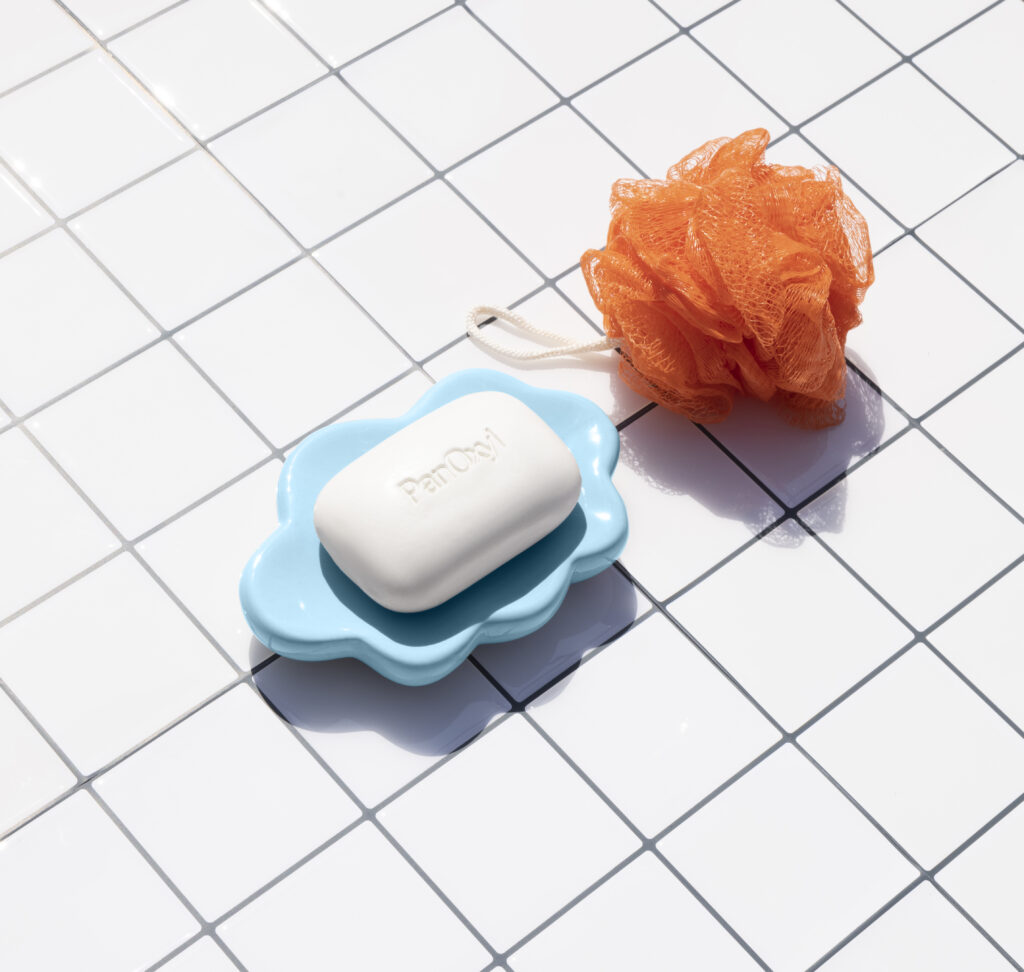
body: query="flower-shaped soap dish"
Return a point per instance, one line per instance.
(299, 604)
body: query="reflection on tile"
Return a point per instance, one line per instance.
(112, 910)
(897, 521)
(147, 664)
(546, 33)
(633, 105)
(49, 533)
(226, 800)
(147, 439)
(55, 337)
(546, 188)
(34, 37)
(418, 82)
(983, 641)
(633, 921)
(654, 724)
(922, 933)
(32, 772)
(83, 131)
(359, 905)
(985, 879)
(213, 62)
(320, 161)
(20, 215)
(377, 735)
(332, 356)
(907, 144)
(787, 861)
(108, 17)
(201, 555)
(593, 611)
(447, 258)
(928, 759)
(818, 629)
(513, 784)
(793, 462)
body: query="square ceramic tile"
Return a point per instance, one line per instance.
(20, 215)
(593, 612)
(573, 42)
(546, 188)
(928, 759)
(215, 62)
(793, 462)
(982, 238)
(226, 800)
(320, 161)
(911, 26)
(795, 150)
(595, 375)
(983, 641)
(447, 259)
(631, 107)
(635, 920)
(83, 131)
(653, 723)
(994, 40)
(147, 439)
(290, 377)
(911, 342)
(375, 734)
(146, 664)
(49, 533)
(419, 83)
(204, 956)
(836, 51)
(689, 504)
(184, 239)
(978, 425)
(798, 658)
(358, 905)
(226, 529)
(907, 145)
(787, 861)
(985, 879)
(340, 32)
(113, 912)
(921, 933)
(32, 772)
(108, 17)
(917, 529)
(55, 337)
(34, 37)
(509, 783)
(394, 400)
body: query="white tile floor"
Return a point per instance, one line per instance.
(785, 733)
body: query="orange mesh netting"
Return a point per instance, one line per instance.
(734, 277)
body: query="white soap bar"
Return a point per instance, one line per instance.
(446, 500)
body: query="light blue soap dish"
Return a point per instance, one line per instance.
(300, 605)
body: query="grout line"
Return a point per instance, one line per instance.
(656, 605)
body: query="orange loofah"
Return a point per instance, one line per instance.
(734, 277)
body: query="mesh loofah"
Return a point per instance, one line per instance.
(734, 277)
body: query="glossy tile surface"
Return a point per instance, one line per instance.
(783, 732)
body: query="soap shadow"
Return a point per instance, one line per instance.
(475, 604)
(667, 452)
(346, 696)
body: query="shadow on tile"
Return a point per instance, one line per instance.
(593, 611)
(345, 696)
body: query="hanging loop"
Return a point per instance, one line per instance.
(565, 346)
